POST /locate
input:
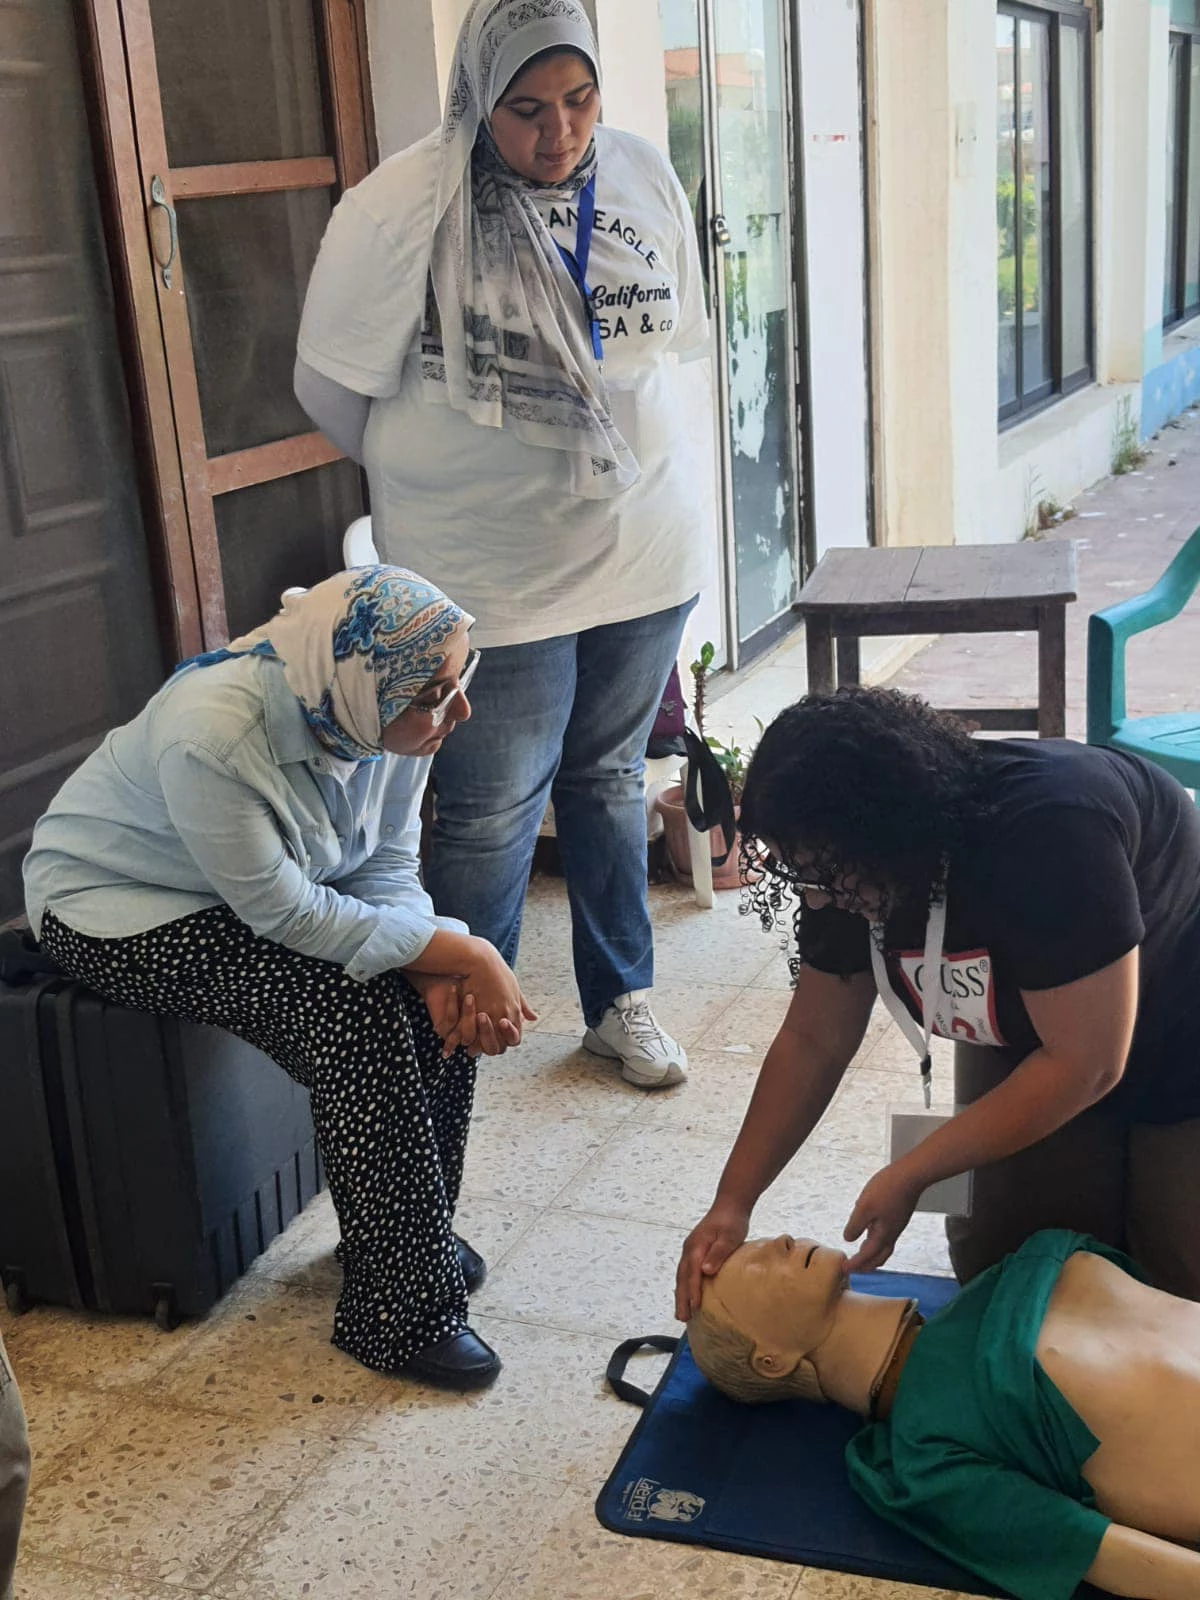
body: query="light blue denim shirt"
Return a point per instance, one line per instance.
(217, 792)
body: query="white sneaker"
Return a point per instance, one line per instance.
(628, 1033)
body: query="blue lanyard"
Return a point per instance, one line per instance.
(576, 261)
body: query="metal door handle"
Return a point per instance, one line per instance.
(158, 197)
(720, 231)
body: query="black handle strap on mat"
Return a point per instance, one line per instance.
(705, 777)
(620, 1358)
(21, 960)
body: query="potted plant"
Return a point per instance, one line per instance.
(733, 761)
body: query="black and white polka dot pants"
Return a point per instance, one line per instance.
(391, 1115)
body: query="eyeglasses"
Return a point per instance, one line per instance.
(796, 882)
(437, 713)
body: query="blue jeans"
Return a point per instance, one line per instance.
(565, 719)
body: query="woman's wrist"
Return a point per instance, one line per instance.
(484, 956)
(918, 1169)
(449, 954)
(733, 1203)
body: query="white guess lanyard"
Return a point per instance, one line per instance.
(935, 935)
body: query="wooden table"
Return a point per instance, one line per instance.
(854, 594)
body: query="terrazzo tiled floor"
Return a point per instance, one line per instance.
(243, 1458)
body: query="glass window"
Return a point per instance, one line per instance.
(1074, 174)
(239, 82)
(1181, 259)
(257, 564)
(1043, 203)
(1175, 173)
(248, 261)
(1006, 191)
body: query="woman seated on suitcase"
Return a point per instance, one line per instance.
(244, 853)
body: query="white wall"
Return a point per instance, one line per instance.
(1055, 455)
(447, 19)
(971, 277)
(912, 146)
(629, 36)
(950, 474)
(401, 43)
(839, 416)
(1131, 183)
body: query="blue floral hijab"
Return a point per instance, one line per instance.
(355, 650)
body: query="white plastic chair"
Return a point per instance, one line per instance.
(358, 544)
(700, 850)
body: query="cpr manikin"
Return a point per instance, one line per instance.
(1044, 1428)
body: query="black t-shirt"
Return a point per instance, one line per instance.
(1086, 853)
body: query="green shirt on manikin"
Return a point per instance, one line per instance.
(981, 1456)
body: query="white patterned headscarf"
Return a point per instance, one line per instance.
(504, 338)
(355, 650)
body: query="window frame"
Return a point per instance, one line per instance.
(1182, 310)
(1055, 14)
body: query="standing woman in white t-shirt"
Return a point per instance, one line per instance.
(492, 329)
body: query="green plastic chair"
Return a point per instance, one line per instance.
(1172, 741)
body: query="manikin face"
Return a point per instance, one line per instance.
(415, 732)
(543, 122)
(782, 1293)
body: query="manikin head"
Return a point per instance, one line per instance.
(779, 1322)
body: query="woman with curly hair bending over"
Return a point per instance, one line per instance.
(1055, 889)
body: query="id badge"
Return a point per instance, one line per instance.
(951, 1197)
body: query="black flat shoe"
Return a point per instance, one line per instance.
(474, 1267)
(462, 1361)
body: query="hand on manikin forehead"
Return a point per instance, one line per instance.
(782, 1293)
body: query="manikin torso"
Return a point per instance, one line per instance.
(1126, 1358)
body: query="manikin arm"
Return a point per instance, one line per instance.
(340, 413)
(1016, 1532)
(1139, 1564)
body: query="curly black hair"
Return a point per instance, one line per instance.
(866, 786)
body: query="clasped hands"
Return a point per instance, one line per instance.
(882, 1211)
(480, 1010)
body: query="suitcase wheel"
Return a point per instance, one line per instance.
(166, 1312)
(15, 1298)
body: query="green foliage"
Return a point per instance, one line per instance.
(1128, 451)
(685, 140)
(1006, 217)
(732, 759)
(1043, 510)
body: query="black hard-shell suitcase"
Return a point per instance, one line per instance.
(145, 1162)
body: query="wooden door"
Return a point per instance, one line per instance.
(79, 642)
(249, 117)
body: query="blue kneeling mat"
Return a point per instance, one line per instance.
(765, 1480)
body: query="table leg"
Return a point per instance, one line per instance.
(1052, 671)
(849, 665)
(818, 645)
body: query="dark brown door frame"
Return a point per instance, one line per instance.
(184, 480)
(146, 369)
